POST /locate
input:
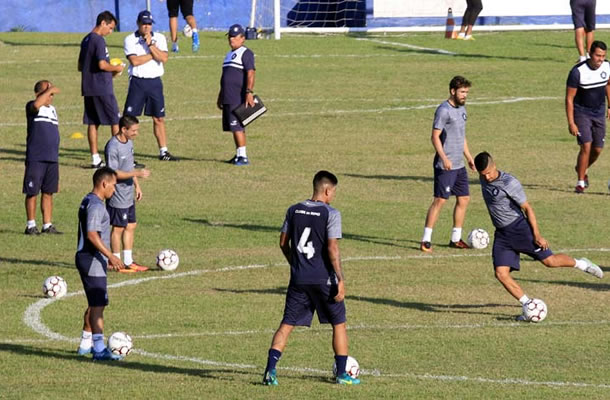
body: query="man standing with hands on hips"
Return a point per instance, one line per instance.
(147, 52)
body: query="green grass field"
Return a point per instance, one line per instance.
(435, 326)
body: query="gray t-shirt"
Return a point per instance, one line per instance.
(119, 156)
(451, 121)
(503, 197)
(92, 217)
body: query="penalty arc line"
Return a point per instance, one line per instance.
(32, 318)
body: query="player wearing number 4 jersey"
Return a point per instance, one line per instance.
(310, 242)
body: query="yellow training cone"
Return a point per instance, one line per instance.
(76, 135)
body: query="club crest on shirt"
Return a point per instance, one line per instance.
(604, 75)
(464, 116)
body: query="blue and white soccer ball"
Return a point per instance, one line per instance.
(478, 238)
(120, 343)
(55, 287)
(535, 310)
(167, 260)
(351, 367)
(187, 31)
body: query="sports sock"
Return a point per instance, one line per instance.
(194, 30)
(427, 235)
(456, 235)
(117, 255)
(46, 226)
(581, 183)
(95, 159)
(581, 264)
(582, 58)
(241, 152)
(341, 361)
(86, 340)
(98, 342)
(127, 257)
(461, 35)
(524, 299)
(162, 150)
(467, 37)
(31, 223)
(274, 357)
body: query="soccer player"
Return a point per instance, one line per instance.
(473, 9)
(93, 258)
(101, 107)
(186, 7)
(121, 206)
(583, 17)
(588, 87)
(41, 157)
(310, 242)
(517, 229)
(236, 88)
(450, 176)
(147, 52)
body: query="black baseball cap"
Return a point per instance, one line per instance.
(145, 17)
(236, 30)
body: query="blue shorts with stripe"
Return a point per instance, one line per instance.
(514, 239)
(96, 287)
(453, 182)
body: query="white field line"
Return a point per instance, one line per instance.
(411, 46)
(327, 112)
(32, 318)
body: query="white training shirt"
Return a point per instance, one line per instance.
(135, 45)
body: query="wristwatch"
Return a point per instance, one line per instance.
(249, 91)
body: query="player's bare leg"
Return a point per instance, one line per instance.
(582, 163)
(561, 260)
(30, 207)
(579, 39)
(431, 217)
(116, 239)
(92, 138)
(503, 275)
(459, 215)
(280, 338)
(590, 36)
(173, 28)
(191, 21)
(96, 319)
(159, 131)
(46, 207)
(340, 342)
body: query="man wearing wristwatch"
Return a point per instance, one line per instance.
(236, 88)
(586, 94)
(147, 52)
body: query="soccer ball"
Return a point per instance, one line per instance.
(351, 367)
(535, 310)
(167, 260)
(120, 343)
(54, 287)
(187, 31)
(478, 238)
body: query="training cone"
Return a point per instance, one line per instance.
(76, 135)
(450, 25)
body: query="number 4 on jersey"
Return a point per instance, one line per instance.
(304, 246)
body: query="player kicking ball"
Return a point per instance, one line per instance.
(517, 229)
(121, 206)
(309, 240)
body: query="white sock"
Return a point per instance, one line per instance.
(118, 255)
(127, 257)
(162, 150)
(427, 235)
(456, 235)
(95, 158)
(98, 342)
(582, 58)
(31, 223)
(86, 340)
(46, 226)
(524, 299)
(588, 56)
(581, 264)
(194, 30)
(581, 183)
(461, 34)
(241, 152)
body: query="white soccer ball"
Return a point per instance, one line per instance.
(351, 367)
(187, 31)
(478, 238)
(55, 287)
(167, 260)
(535, 310)
(120, 343)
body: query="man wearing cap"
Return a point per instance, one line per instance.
(236, 88)
(147, 52)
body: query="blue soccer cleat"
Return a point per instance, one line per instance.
(241, 161)
(270, 379)
(83, 352)
(195, 42)
(345, 379)
(105, 355)
(175, 47)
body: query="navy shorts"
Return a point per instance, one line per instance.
(147, 95)
(230, 123)
(96, 287)
(101, 110)
(591, 129)
(303, 300)
(186, 6)
(453, 182)
(40, 176)
(122, 216)
(514, 239)
(583, 14)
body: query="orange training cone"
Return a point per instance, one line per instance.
(449, 27)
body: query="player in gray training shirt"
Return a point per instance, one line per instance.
(121, 207)
(450, 176)
(517, 229)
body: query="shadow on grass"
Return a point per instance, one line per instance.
(458, 55)
(52, 44)
(403, 178)
(46, 263)
(598, 287)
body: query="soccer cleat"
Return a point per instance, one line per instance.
(51, 230)
(521, 318)
(138, 165)
(586, 180)
(270, 379)
(83, 352)
(468, 37)
(105, 355)
(137, 267)
(240, 161)
(426, 247)
(579, 189)
(128, 271)
(167, 156)
(459, 245)
(101, 164)
(195, 46)
(593, 269)
(175, 47)
(345, 379)
(32, 231)
(232, 160)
